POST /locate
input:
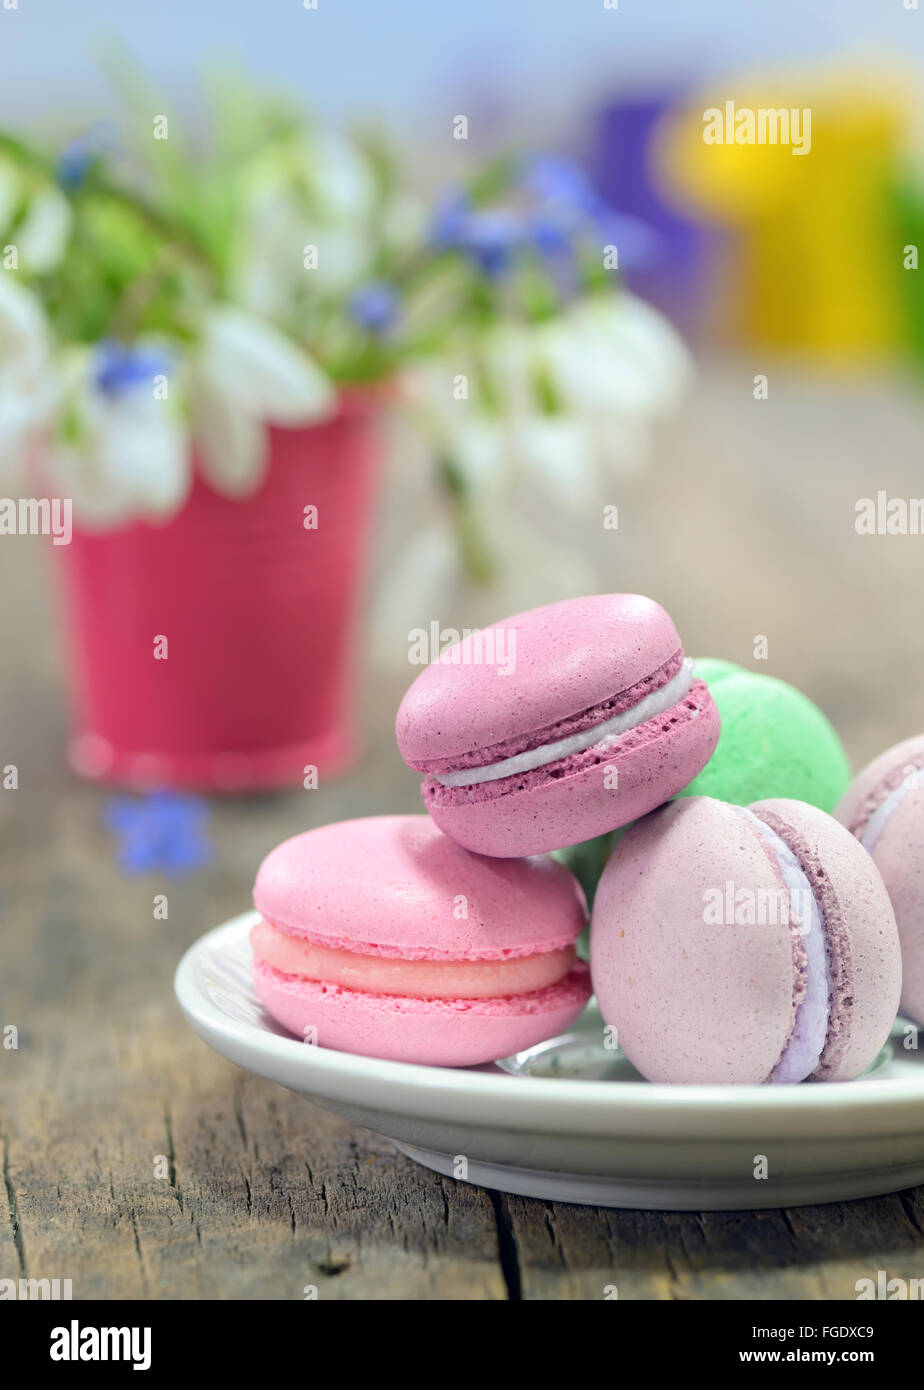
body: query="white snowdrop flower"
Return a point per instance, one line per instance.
(243, 375)
(121, 451)
(25, 380)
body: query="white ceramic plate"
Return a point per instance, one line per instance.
(571, 1121)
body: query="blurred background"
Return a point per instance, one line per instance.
(339, 323)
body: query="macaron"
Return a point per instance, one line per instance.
(556, 725)
(381, 936)
(884, 809)
(743, 945)
(774, 742)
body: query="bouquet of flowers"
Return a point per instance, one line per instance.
(162, 302)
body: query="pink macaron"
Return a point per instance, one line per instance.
(381, 936)
(884, 808)
(557, 725)
(743, 945)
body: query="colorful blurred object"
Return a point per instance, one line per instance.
(813, 253)
(674, 277)
(909, 238)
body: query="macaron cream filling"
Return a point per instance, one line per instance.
(876, 809)
(419, 978)
(802, 1051)
(883, 814)
(608, 732)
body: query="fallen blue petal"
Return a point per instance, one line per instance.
(163, 832)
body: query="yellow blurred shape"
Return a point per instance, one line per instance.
(813, 253)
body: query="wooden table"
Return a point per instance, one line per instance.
(744, 527)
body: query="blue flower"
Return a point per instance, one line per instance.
(556, 210)
(553, 236)
(82, 153)
(123, 367)
(375, 306)
(561, 183)
(73, 165)
(566, 206)
(491, 237)
(569, 208)
(161, 832)
(450, 220)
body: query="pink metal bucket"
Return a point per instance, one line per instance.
(259, 614)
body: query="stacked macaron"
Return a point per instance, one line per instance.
(740, 934)
(433, 939)
(600, 719)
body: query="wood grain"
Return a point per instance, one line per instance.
(137, 1163)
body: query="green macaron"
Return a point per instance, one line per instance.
(774, 742)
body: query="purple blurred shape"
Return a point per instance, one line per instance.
(621, 162)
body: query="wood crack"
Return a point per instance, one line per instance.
(144, 1277)
(171, 1158)
(507, 1246)
(13, 1206)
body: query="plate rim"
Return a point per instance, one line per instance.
(618, 1108)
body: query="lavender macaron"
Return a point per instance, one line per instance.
(884, 808)
(744, 945)
(556, 725)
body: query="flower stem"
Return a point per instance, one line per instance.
(477, 561)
